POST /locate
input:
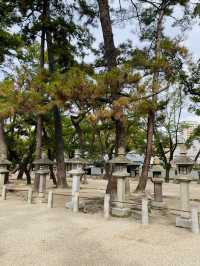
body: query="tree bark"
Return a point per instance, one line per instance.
(144, 176)
(61, 172)
(39, 126)
(38, 150)
(151, 114)
(111, 60)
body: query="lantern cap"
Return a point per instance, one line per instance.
(120, 159)
(77, 158)
(43, 160)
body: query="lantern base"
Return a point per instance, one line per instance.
(183, 222)
(120, 212)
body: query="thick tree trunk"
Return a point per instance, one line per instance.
(148, 153)
(167, 171)
(111, 59)
(61, 173)
(106, 25)
(38, 150)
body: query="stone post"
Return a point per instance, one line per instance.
(30, 195)
(107, 206)
(145, 212)
(3, 192)
(50, 199)
(195, 220)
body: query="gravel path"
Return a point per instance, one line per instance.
(35, 235)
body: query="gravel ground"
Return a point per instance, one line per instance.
(35, 235)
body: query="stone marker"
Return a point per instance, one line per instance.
(145, 212)
(120, 172)
(195, 219)
(43, 171)
(3, 192)
(50, 199)
(184, 167)
(107, 206)
(30, 195)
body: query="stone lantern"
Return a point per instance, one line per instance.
(120, 172)
(184, 166)
(77, 164)
(4, 164)
(43, 165)
(158, 179)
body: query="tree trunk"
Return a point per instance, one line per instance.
(148, 153)
(151, 114)
(168, 167)
(38, 150)
(61, 173)
(106, 25)
(39, 126)
(111, 60)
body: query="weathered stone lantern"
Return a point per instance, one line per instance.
(77, 164)
(184, 167)
(158, 179)
(4, 164)
(43, 165)
(120, 172)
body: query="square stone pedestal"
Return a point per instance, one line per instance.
(120, 212)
